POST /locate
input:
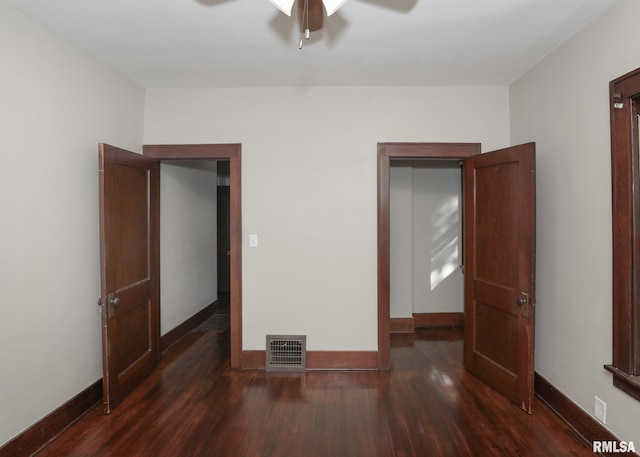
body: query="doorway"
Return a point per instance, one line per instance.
(499, 245)
(188, 254)
(230, 153)
(400, 151)
(427, 282)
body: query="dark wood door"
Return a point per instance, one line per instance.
(499, 219)
(129, 240)
(224, 243)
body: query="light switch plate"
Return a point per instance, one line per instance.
(253, 241)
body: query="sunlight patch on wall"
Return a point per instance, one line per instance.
(445, 245)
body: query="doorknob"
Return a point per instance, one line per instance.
(522, 301)
(113, 300)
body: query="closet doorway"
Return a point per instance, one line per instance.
(499, 190)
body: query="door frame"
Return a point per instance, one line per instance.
(232, 153)
(387, 152)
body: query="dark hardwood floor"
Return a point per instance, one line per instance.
(427, 405)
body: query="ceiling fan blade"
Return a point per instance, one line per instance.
(333, 5)
(284, 5)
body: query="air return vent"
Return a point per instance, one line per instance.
(286, 353)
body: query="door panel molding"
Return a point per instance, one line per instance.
(400, 151)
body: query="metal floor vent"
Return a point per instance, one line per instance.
(286, 353)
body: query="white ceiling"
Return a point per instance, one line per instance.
(231, 43)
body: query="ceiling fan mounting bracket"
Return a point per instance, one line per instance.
(311, 12)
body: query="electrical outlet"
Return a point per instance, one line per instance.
(600, 410)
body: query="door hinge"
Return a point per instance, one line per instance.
(523, 302)
(618, 103)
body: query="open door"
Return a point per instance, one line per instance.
(129, 236)
(224, 243)
(499, 217)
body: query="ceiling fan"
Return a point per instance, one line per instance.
(310, 11)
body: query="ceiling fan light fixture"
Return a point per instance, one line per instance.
(284, 5)
(332, 5)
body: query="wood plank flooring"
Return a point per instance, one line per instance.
(427, 405)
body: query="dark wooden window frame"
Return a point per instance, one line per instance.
(624, 94)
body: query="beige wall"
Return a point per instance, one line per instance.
(426, 244)
(57, 103)
(401, 241)
(562, 104)
(309, 189)
(188, 240)
(438, 283)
